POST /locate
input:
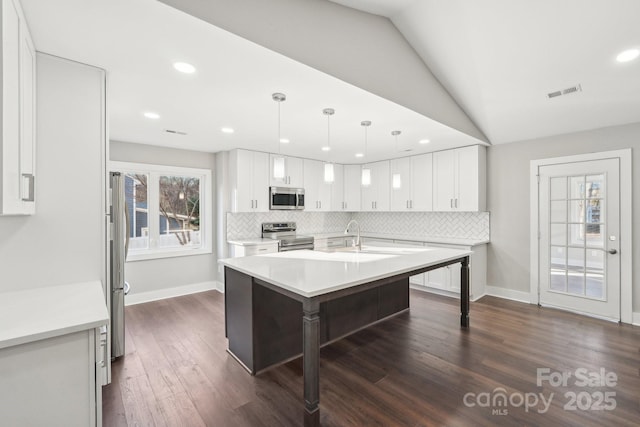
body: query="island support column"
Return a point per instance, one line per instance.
(311, 361)
(464, 293)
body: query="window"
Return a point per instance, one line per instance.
(168, 209)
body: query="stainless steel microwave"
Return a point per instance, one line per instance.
(283, 198)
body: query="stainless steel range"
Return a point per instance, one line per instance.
(285, 233)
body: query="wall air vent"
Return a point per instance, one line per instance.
(175, 132)
(567, 91)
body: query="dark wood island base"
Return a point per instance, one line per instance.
(262, 321)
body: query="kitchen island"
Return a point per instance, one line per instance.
(280, 305)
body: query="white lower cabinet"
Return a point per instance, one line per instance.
(446, 280)
(52, 354)
(253, 249)
(52, 382)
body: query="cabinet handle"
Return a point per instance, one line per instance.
(456, 203)
(320, 204)
(411, 204)
(31, 180)
(451, 203)
(407, 204)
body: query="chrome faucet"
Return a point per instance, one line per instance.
(356, 243)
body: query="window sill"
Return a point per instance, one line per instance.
(167, 253)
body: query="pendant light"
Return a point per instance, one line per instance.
(366, 172)
(278, 162)
(396, 179)
(328, 167)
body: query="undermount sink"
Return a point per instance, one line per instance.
(387, 250)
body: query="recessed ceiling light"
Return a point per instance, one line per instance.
(359, 155)
(628, 55)
(151, 115)
(183, 67)
(326, 148)
(226, 130)
(284, 140)
(424, 141)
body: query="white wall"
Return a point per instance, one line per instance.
(161, 278)
(508, 198)
(64, 241)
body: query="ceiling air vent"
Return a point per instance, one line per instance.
(175, 132)
(567, 91)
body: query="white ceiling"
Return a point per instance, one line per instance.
(497, 58)
(137, 41)
(500, 58)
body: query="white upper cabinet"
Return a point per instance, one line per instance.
(337, 189)
(293, 172)
(401, 184)
(249, 172)
(375, 196)
(352, 188)
(459, 179)
(422, 183)
(411, 183)
(17, 146)
(317, 192)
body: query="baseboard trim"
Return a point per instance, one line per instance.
(142, 297)
(636, 319)
(510, 294)
(220, 287)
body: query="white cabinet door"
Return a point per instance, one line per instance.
(337, 189)
(293, 172)
(468, 163)
(375, 197)
(317, 192)
(444, 182)
(422, 183)
(10, 168)
(243, 200)
(312, 174)
(380, 176)
(418, 279)
(352, 187)
(28, 112)
(259, 176)
(401, 184)
(249, 170)
(459, 179)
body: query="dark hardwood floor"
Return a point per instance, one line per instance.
(417, 369)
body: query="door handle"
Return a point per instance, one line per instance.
(612, 251)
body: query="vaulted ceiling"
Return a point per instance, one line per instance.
(454, 72)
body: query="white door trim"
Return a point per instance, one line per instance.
(626, 225)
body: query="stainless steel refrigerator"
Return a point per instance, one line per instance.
(119, 232)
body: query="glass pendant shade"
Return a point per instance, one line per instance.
(366, 177)
(328, 172)
(278, 167)
(396, 181)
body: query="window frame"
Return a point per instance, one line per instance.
(154, 172)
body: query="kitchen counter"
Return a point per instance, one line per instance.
(412, 238)
(41, 313)
(319, 272)
(278, 304)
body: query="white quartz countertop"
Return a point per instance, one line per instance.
(41, 313)
(318, 236)
(312, 273)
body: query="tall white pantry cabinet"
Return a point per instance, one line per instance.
(17, 121)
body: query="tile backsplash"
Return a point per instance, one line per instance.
(460, 225)
(248, 225)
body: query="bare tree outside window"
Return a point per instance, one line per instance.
(179, 208)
